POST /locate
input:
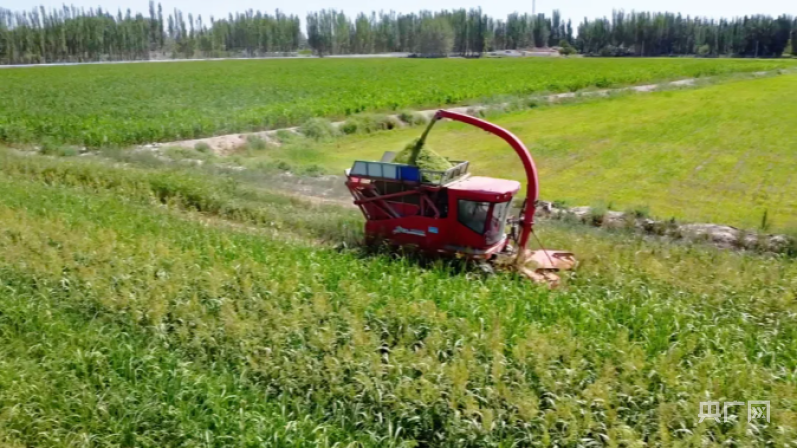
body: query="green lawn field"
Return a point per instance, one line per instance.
(164, 307)
(117, 105)
(724, 153)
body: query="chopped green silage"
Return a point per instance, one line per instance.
(427, 158)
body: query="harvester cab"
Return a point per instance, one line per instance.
(453, 213)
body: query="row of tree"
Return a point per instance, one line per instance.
(646, 34)
(70, 34)
(461, 32)
(470, 33)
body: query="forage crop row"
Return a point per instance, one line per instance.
(111, 105)
(128, 324)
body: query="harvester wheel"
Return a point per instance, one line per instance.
(485, 268)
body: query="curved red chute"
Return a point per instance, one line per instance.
(532, 185)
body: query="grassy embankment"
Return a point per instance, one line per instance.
(117, 105)
(723, 153)
(148, 308)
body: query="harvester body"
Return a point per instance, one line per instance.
(451, 212)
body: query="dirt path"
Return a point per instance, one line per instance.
(164, 59)
(224, 145)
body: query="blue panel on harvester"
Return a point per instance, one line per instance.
(410, 173)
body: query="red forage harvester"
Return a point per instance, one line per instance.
(452, 213)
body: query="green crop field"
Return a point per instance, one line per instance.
(116, 105)
(724, 153)
(158, 307)
(150, 300)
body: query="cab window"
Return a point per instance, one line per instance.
(473, 215)
(496, 227)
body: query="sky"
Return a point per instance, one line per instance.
(570, 9)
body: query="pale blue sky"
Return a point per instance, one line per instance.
(574, 9)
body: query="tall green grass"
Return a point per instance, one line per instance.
(125, 323)
(180, 188)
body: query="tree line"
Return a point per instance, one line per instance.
(470, 33)
(460, 32)
(70, 34)
(665, 34)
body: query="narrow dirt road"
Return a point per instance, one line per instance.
(224, 145)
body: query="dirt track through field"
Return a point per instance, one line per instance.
(224, 145)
